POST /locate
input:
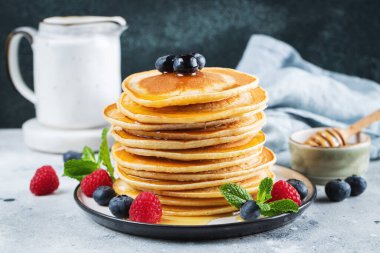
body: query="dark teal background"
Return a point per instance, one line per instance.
(340, 35)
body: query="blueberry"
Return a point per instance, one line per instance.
(71, 155)
(299, 186)
(120, 205)
(358, 185)
(201, 60)
(337, 190)
(103, 194)
(250, 211)
(185, 64)
(164, 64)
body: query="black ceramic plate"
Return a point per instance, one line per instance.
(219, 228)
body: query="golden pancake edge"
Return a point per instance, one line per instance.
(209, 85)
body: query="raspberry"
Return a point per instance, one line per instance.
(92, 181)
(44, 181)
(284, 190)
(146, 208)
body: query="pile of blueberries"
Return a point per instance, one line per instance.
(118, 205)
(338, 190)
(185, 64)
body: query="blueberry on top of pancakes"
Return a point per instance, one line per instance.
(164, 64)
(181, 64)
(201, 60)
(185, 64)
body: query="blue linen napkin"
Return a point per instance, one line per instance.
(302, 95)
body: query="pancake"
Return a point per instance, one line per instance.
(133, 141)
(250, 185)
(189, 220)
(228, 150)
(154, 89)
(122, 187)
(116, 118)
(265, 159)
(166, 185)
(251, 101)
(145, 163)
(196, 211)
(237, 128)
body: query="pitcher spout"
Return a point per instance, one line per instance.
(120, 21)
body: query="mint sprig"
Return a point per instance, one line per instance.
(263, 206)
(280, 206)
(88, 154)
(265, 189)
(104, 154)
(236, 196)
(78, 169)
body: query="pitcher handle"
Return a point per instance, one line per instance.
(12, 46)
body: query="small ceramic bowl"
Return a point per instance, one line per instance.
(321, 165)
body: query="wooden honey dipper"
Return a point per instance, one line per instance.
(337, 137)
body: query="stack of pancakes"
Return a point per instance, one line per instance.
(182, 137)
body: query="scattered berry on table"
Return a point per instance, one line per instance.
(358, 184)
(44, 181)
(250, 210)
(120, 205)
(299, 186)
(283, 190)
(337, 190)
(92, 181)
(71, 155)
(185, 64)
(103, 194)
(146, 208)
(164, 64)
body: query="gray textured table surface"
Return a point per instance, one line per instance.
(55, 224)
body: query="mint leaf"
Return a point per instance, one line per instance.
(88, 154)
(78, 169)
(235, 194)
(263, 206)
(265, 188)
(281, 206)
(270, 213)
(104, 154)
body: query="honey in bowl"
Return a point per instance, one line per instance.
(321, 164)
(338, 137)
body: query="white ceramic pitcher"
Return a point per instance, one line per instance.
(76, 68)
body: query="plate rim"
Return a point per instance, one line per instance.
(223, 225)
